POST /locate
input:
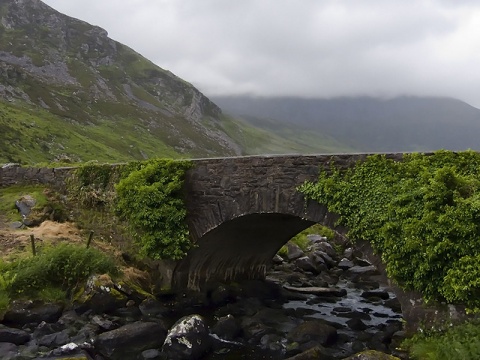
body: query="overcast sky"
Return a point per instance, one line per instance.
(315, 48)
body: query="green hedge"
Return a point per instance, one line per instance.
(421, 214)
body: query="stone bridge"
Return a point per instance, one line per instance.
(242, 210)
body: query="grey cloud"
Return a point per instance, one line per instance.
(308, 48)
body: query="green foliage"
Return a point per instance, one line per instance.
(459, 342)
(151, 200)
(59, 268)
(301, 238)
(421, 214)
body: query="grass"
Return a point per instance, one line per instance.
(270, 139)
(9, 195)
(302, 241)
(457, 342)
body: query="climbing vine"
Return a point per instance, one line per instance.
(150, 198)
(422, 214)
(146, 195)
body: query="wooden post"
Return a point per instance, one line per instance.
(32, 240)
(90, 237)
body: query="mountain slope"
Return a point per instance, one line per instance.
(369, 124)
(68, 91)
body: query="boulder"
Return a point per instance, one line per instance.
(227, 328)
(345, 264)
(8, 351)
(189, 338)
(372, 355)
(326, 248)
(14, 336)
(294, 252)
(320, 291)
(315, 330)
(306, 264)
(24, 312)
(130, 340)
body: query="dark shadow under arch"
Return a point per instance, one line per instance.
(238, 249)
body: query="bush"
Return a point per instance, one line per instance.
(152, 202)
(459, 342)
(421, 214)
(61, 267)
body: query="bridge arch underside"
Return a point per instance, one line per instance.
(238, 249)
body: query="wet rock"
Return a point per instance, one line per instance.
(393, 304)
(378, 294)
(314, 353)
(104, 323)
(306, 264)
(130, 340)
(352, 315)
(189, 338)
(294, 252)
(151, 308)
(24, 312)
(100, 295)
(314, 238)
(227, 328)
(363, 270)
(272, 342)
(277, 259)
(326, 248)
(313, 330)
(345, 264)
(320, 291)
(371, 355)
(356, 324)
(151, 354)
(54, 340)
(322, 257)
(348, 253)
(8, 351)
(70, 351)
(14, 336)
(362, 262)
(220, 295)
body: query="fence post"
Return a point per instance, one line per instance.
(90, 237)
(32, 240)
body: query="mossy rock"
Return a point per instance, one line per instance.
(372, 355)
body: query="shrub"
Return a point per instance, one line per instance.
(459, 342)
(422, 214)
(61, 267)
(152, 202)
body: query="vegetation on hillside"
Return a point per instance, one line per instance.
(421, 214)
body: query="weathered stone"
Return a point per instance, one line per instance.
(151, 354)
(364, 270)
(378, 294)
(227, 328)
(345, 264)
(326, 248)
(315, 330)
(320, 291)
(314, 238)
(356, 324)
(151, 307)
(54, 340)
(24, 312)
(294, 252)
(306, 264)
(130, 340)
(14, 336)
(189, 338)
(104, 323)
(8, 351)
(321, 256)
(371, 355)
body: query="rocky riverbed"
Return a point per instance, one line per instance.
(326, 303)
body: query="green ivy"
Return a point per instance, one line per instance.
(422, 214)
(151, 200)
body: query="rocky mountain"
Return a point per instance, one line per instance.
(367, 124)
(69, 92)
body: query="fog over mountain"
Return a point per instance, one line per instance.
(370, 124)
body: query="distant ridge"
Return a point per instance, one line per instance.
(369, 124)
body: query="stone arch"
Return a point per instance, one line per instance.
(243, 247)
